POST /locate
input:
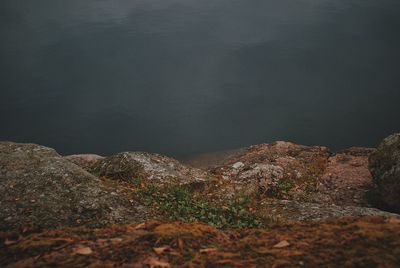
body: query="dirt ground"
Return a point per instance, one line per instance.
(347, 242)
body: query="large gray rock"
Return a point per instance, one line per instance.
(385, 168)
(150, 167)
(40, 188)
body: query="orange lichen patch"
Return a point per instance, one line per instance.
(184, 230)
(347, 242)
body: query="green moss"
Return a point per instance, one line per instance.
(178, 203)
(285, 186)
(137, 182)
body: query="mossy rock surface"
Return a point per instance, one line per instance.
(41, 189)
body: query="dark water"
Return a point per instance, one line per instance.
(181, 77)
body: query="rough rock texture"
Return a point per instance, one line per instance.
(156, 168)
(349, 242)
(85, 161)
(284, 170)
(273, 169)
(283, 211)
(285, 181)
(346, 178)
(273, 210)
(385, 168)
(40, 188)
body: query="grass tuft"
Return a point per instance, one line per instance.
(178, 203)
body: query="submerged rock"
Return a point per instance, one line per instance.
(385, 168)
(40, 188)
(158, 169)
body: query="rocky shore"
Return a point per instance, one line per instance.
(274, 205)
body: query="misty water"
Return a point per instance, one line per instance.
(180, 77)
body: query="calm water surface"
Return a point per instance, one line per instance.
(181, 77)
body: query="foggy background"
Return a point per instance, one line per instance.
(180, 77)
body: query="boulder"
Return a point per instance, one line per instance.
(385, 168)
(287, 182)
(346, 178)
(150, 167)
(284, 170)
(41, 189)
(274, 169)
(85, 161)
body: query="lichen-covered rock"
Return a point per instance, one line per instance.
(385, 168)
(85, 161)
(276, 210)
(346, 179)
(274, 169)
(40, 188)
(285, 170)
(155, 168)
(282, 180)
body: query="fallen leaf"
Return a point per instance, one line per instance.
(116, 240)
(101, 241)
(140, 226)
(265, 251)
(393, 220)
(161, 250)
(208, 250)
(227, 255)
(180, 244)
(156, 263)
(289, 253)
(282, 244)
(10, 242)
(175, 253)
(83, 250)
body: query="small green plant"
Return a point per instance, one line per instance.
(178, 203)
(285, 186)
(137, 182)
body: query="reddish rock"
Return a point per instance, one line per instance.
(347, 178)
(286, 170)
(275, 169)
